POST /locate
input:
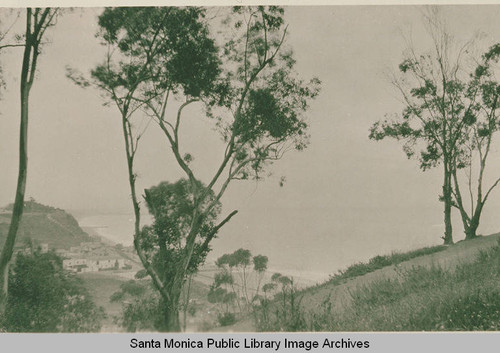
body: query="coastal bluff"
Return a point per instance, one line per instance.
(44, 225)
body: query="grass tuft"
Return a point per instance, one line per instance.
(381, 261)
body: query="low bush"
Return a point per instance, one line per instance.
(381, 261)
(284, 312)
(226, 319)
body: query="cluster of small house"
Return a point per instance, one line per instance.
(88, 257)
(91, 257)
(94, 264)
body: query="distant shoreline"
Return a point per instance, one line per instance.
(94, 234)
(116, 228)
(111, 228)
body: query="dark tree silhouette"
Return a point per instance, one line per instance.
(245, 82)
(483, 124)
(37, 22)
(43, 297)
(449, 114)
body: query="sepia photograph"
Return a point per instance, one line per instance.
(235, 169)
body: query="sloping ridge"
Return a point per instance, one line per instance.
(462, 252)
(459, 253)
(45, 224)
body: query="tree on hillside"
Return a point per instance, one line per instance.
(43, 297)
(164, 242)
(150, 54)
(260, 267)
(442, 107)
(237, 266)
(222, 294)
(166, 57)
(484, 123)
(232, 264)
(234, 282)
(37, 22)
(283, 312)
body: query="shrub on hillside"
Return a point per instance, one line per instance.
(380, 261)
(226, 319)
(284, 311)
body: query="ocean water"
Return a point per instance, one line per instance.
(117, 228)
(308, 245)
(311, 243)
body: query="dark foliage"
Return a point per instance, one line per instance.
(172, 207)
(43, 297)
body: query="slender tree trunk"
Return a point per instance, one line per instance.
(459, 203)
(448, 237)
(259, 281)
(471, 224)
(186, 303)
(471, 230)
(245, 290)
(17, 211)
(170, 289)
(170, 302)
(18, 208)
(237, 295)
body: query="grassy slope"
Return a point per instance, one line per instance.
(462, 252)
(458, 295)
(348, 303)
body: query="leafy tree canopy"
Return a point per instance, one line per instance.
(172, 206)
(43, 297)
(159, 48)
(235, 66)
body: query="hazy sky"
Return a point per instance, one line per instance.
(346, 198)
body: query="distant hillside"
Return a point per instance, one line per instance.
(44, 224)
